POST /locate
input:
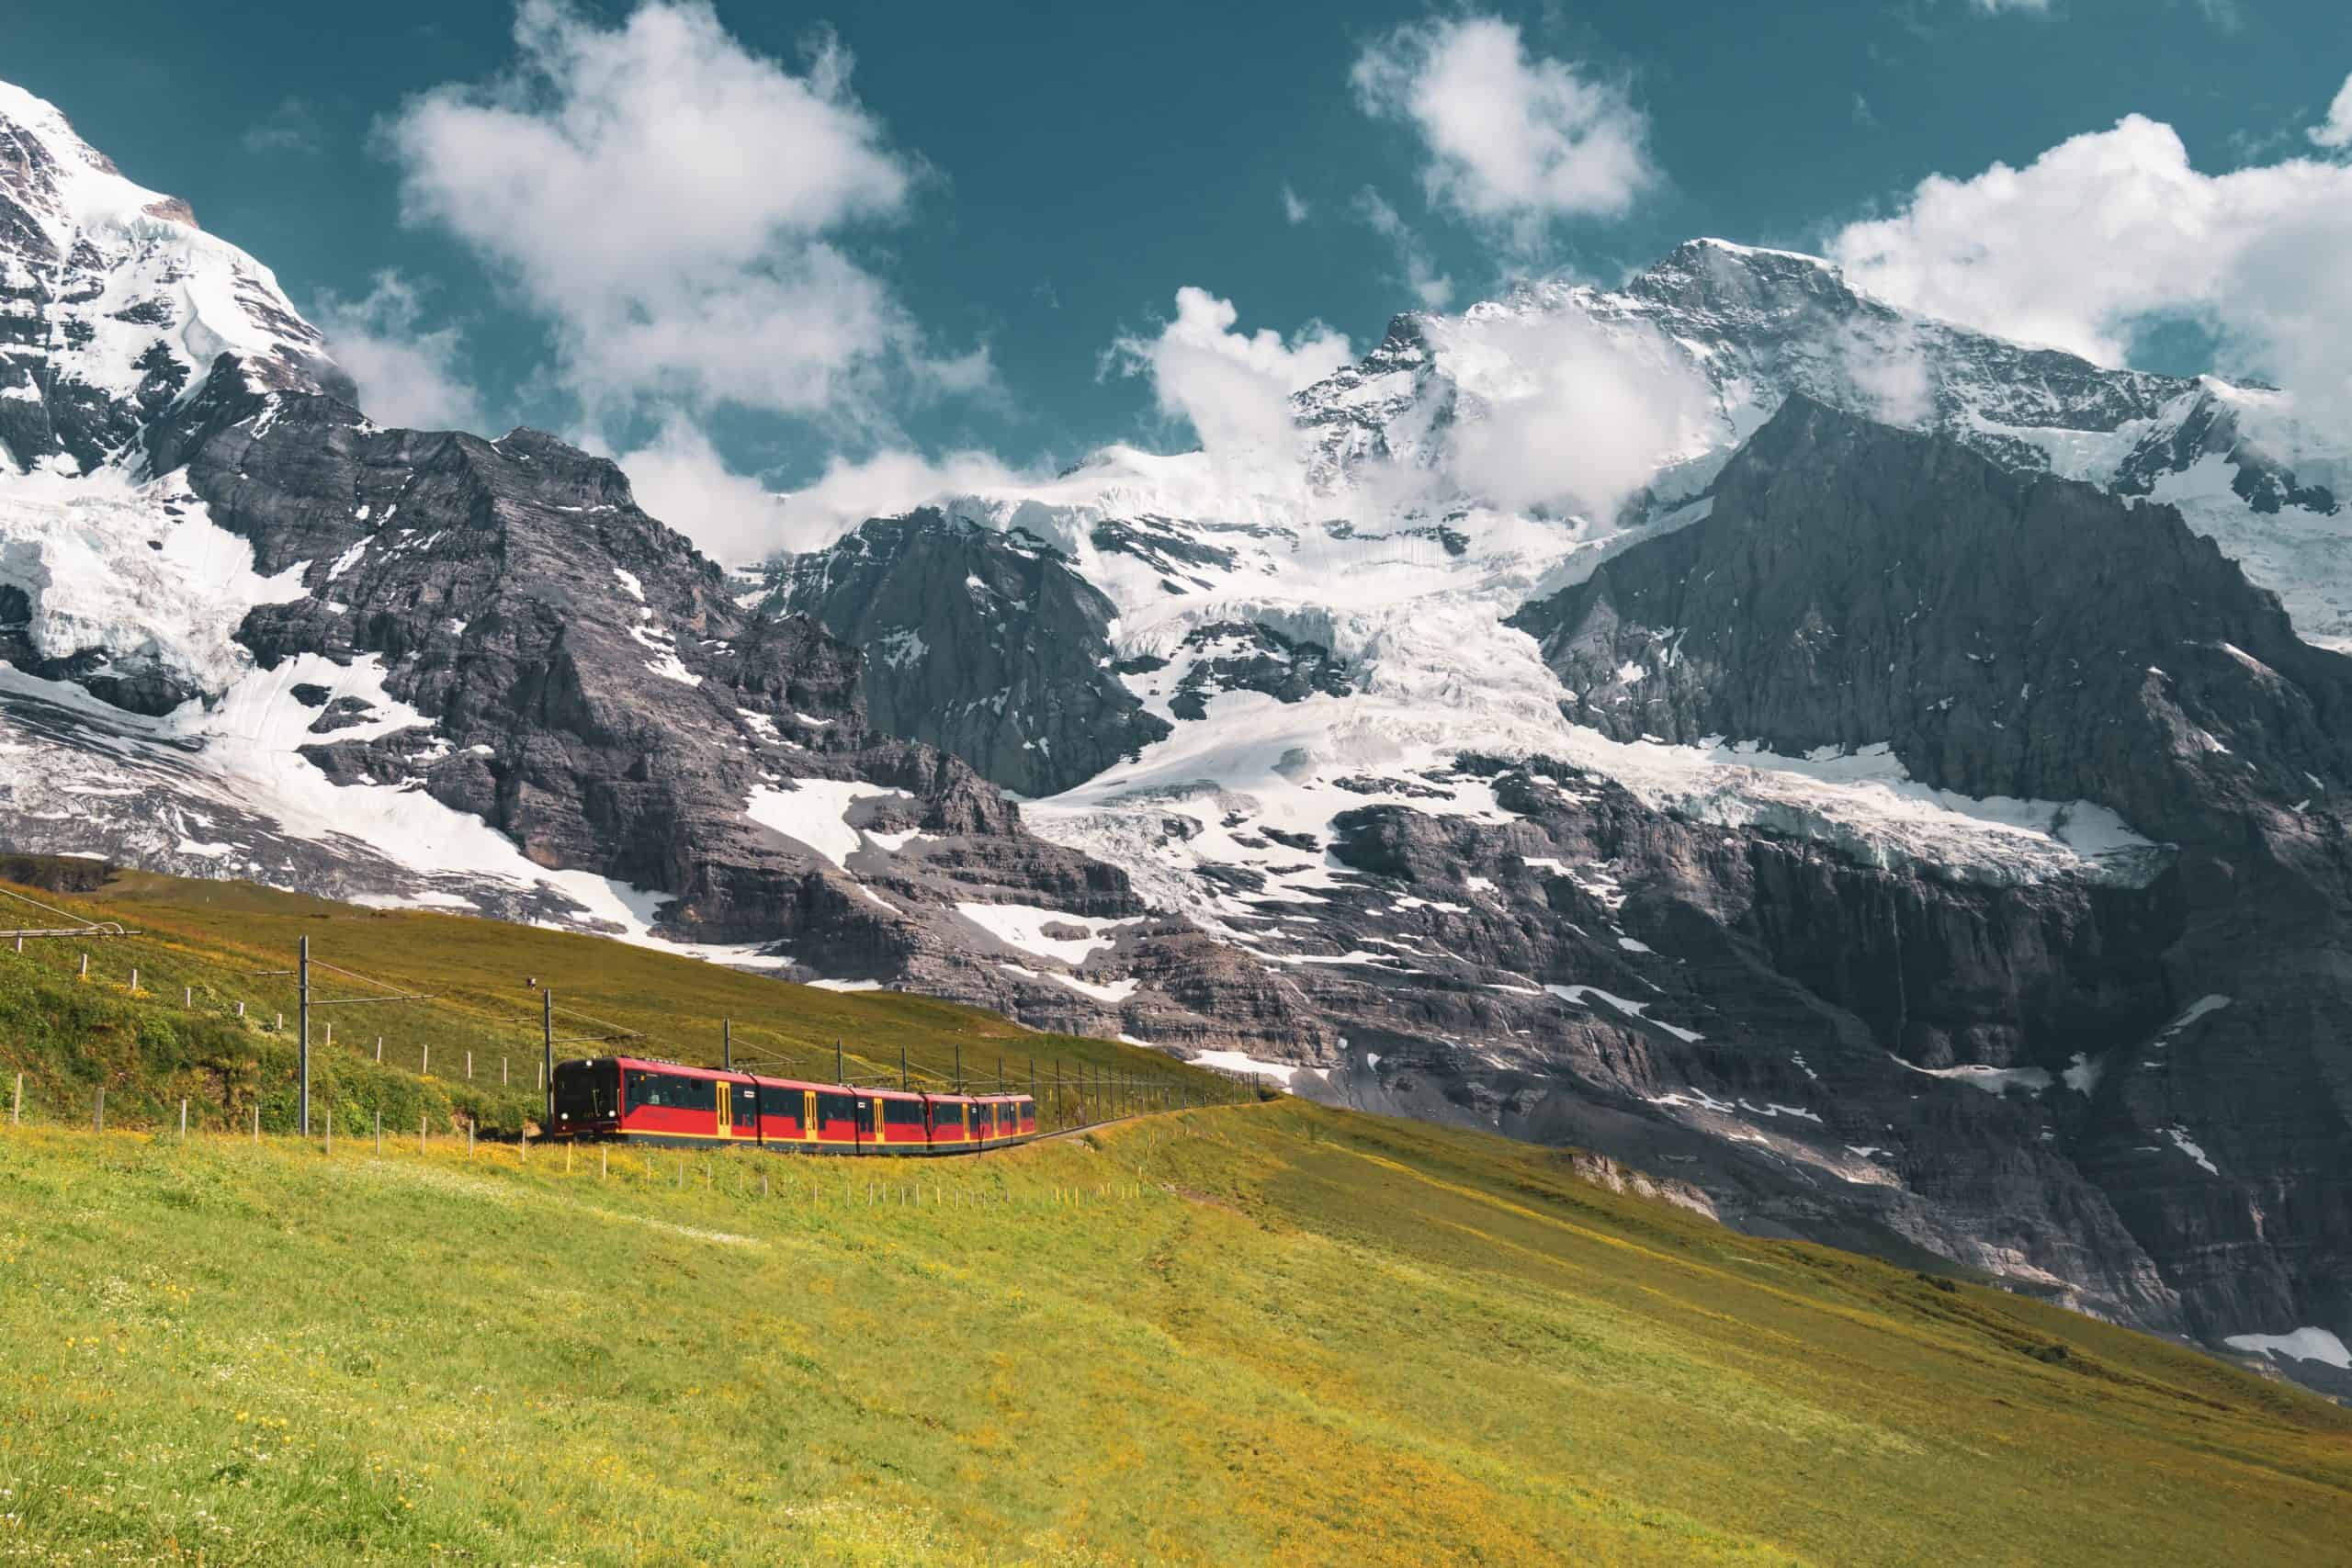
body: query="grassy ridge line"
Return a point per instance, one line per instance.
(1274, 1333)
(205, 941)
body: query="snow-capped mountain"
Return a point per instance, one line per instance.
(114, 304)
(1850, 762)
(1841, 937)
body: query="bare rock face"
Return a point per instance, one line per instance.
(2187, 1040)
(2003, 635)
(982, 643)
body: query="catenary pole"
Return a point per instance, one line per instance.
(303, 1009)
(547, 1051)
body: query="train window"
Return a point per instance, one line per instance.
(836, 1108)
(673, 1091)
(950, 1116)
(775, 1100)
(902, 1112)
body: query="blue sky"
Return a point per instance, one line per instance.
(1039, 181)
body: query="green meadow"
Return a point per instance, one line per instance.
(1265, 1333)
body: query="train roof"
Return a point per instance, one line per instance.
(738, 1075)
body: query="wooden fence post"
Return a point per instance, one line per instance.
(188, 996)
(502, 1071)
(469, 1138)
(420, 1132)
(379, 1047)
(183, 1119)
(379, 1134)
(257, 1121)
(86, 966)
(330, 1116)
(425, 1066)
(16, 1105)
(470, 1065)
(603, 1162)
(98, 1121)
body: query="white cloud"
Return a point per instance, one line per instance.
(1574, 416)
(1434, 289)
(677, 208)
(1888, 367)
(2335, 130)
(1233, 387)
(1295, 207)
(405, 377)
(679, 477)
(1995, 7)
(2113, 230)
(1511, 140)
(291, 127)
(682, 479)
(884, 485)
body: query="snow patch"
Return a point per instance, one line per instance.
(1023, 925)
(2302, 1343)
(814, 812)
(1577, 995)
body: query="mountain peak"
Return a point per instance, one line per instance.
(116, 306)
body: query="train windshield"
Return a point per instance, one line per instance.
(586, 1091)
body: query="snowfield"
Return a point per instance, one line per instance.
(136, 573)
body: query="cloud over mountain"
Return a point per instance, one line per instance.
(1511, 139)
(2112, 231)
(679, 209)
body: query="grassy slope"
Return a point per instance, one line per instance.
(69, 1034)
(1247, 1332)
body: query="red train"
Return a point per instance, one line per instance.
(629, 1100)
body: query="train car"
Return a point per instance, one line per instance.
(793, 1115)
(643, 1101)
(951, 1122)
(895, 1121)
(635, 1099)
(1000, 1119)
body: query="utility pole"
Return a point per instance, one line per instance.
(902, 1066)
(547, 1051)
(959, 1066)
(303, 1008)
(726, 1043)
(837, 1058)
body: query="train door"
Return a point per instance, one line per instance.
(863, 1120)
(808, 1115)
(747, 1112)
(726, 1109)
